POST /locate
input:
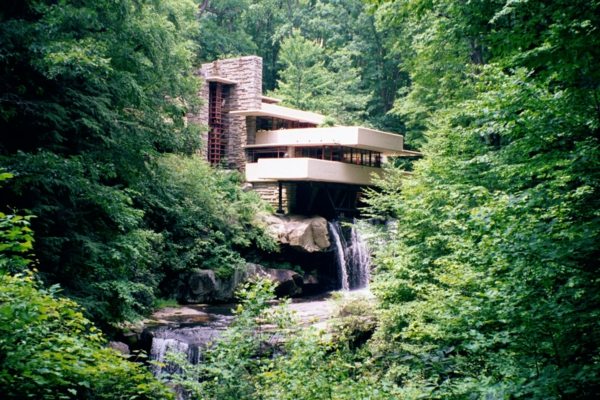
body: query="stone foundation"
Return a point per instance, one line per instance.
(269, 192)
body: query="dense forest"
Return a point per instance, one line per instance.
(486, 281)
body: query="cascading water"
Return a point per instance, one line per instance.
(340, 253)
(189, 338)
(352, 257)
(359, 260)
(160, 347)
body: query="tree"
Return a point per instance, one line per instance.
(48, 349)
(360, 52)
(205, 218)
(309, 82)
(222, 33)
(92, 92)
(489, 283)
(96, 136)
(305, 81)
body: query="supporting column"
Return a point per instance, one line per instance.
(280, 203)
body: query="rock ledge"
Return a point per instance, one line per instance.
(307, 234)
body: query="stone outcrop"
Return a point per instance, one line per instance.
(203, 286)
(307, 234)
(121, 347)
(202, 283)
(289, 283)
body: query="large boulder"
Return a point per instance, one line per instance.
(307, 234)
(121, 347)
(288, 282)
(225, 290)
(202, 286)
(202, 283)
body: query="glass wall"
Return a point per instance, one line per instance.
(344, 154)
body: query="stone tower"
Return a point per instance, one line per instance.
(228, 85)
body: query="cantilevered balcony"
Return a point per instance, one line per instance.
(348, 136)
(309, 169)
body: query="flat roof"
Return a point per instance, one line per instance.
(286, 113)
(220, 79)
(407, 153)
(267, 99)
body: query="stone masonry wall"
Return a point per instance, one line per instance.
(245, 94)
(269, 192)
(201, 117)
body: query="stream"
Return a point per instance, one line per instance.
(189, 329)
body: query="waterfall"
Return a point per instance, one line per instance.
(189, 340)
(352, 257)
(340, 252)
(359, 259)
(160, 347)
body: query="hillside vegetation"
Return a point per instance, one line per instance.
(486, 277)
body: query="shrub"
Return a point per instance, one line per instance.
(48, 350)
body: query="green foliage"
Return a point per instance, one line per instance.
(314, 369)
(228, 367)
(354, 320)
(206, 219)
(440, 51)
(349, 54)
(164, 303)
(16, 240)
(94, 98)
(91, 105)
(267, 354)
(221, 34)
(50, 351)
(488, 280)
(310, 80)
(315, 364)
(91, 237)
(305, 81)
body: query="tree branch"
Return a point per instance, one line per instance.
(203, 6)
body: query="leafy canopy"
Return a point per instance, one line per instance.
(489, 281)
(49, 350)
(312, 80)
(94, 99)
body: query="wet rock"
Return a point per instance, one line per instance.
(131, 338)
(120, 347)
(129, 333)
(180, 315)
(307, 234)
(202, 286)
(311, 284)
(289, 283)
(202, 283)
(225, 290)
(310, 279)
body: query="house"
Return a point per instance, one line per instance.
(287, 158)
